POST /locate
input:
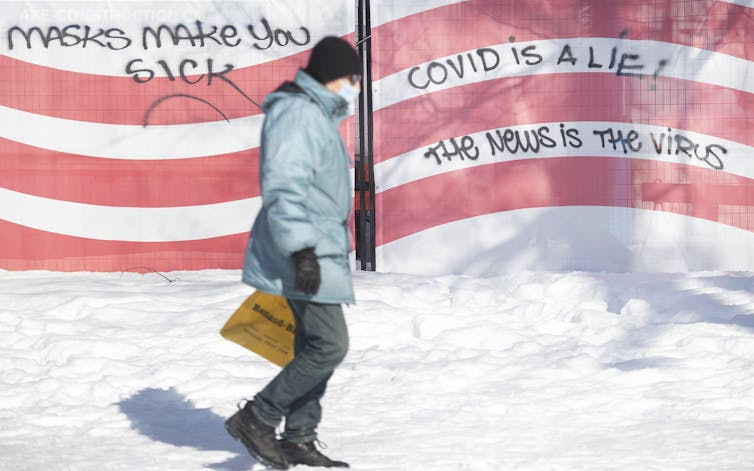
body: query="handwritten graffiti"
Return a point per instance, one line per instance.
(489, 59)
(615, 137)
(186, 72)
(114, 39)
(513, 141)
(181, 34)
(262, 36)
(535, 140)
(663, 144)
(505, 140)
(464, 149)
(278, 36)
(483, 59)
(192, 72)
(199, 35)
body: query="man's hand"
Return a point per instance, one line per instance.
(307, 271)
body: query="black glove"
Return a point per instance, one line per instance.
(307, 271)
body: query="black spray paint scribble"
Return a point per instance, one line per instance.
(158, 102)
(183, 72)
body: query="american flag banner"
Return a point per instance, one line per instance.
(563, 134)
(129, 130)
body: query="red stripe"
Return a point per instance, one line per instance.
(121, 100)
(678, 104)
(705, 197)
(133, 183)
(715, 26)
(29, 249)
(566, 181)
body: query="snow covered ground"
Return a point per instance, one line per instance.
(532, 371)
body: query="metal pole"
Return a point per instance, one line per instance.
(365, 243)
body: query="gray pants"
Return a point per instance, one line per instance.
(320, 345)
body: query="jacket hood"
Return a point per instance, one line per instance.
(331, 103)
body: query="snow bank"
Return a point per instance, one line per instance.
(530, 371)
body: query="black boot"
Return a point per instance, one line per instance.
(258, 438)
(307, 454)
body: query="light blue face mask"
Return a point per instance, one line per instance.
(349, 93)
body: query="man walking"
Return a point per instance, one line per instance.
(299, 248)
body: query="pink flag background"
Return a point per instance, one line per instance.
(508, 135)
(130, 130)
(565, 134)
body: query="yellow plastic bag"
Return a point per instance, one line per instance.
(264, 324)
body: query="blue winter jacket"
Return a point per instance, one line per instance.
(306, 193)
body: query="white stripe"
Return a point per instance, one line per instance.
(333, 17)
(130, 224)
(413, 165)
(385, 11)
(571, 238)
(681, 62)
(127, 223)
(123, 141)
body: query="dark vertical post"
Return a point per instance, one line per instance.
(365, 223)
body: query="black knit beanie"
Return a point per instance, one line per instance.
(333, 58)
